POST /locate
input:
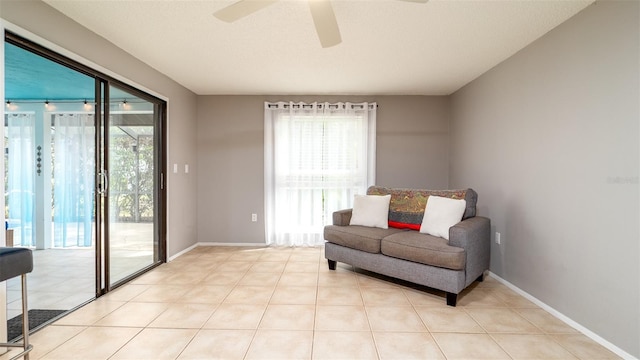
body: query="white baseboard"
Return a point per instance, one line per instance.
(233, 244)
(590, 334)
(182, 252)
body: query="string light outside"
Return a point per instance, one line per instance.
(87, 104)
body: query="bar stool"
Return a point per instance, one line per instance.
(14, 262)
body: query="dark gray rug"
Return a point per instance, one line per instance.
(36, 318)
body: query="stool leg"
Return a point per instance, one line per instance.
(25, 326)
(25, 317)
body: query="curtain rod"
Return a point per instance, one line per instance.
(319, 105)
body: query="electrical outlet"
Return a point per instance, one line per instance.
(498, 238)
(254, 217)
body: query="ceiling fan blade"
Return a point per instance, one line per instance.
(326, 24)
(241, 9)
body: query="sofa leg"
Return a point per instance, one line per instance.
(452, 299)
(332, 264)
(480, 278)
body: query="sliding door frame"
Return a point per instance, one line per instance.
(159, 184)
(102, 83)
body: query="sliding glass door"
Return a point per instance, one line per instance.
(84, 157)
(49, 132)
(131, 142)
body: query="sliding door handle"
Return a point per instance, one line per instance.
(103, 187)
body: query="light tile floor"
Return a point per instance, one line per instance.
(284, 303)
(64, 278)
(61, 280)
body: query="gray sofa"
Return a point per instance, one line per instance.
(409, 255)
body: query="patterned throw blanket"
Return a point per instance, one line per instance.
(407, 206)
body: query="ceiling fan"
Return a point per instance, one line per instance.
(321, 10)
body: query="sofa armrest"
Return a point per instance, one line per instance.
(342, 217)
(474, 236)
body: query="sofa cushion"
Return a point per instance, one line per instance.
(424, 249)
(358, 237)
(370, 210)
(406, 208)
(441, 214)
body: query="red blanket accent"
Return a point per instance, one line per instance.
(400, 225)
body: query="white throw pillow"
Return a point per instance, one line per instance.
(440, 214)
(371, 211)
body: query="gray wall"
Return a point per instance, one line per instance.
(412, 151)
(550, 140)
(42, 20)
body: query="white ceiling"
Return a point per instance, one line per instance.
(388, 47)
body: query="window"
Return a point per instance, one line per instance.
(317, 156)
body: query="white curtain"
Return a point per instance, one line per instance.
(73, 174)
(21, 166)
(317, 157)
